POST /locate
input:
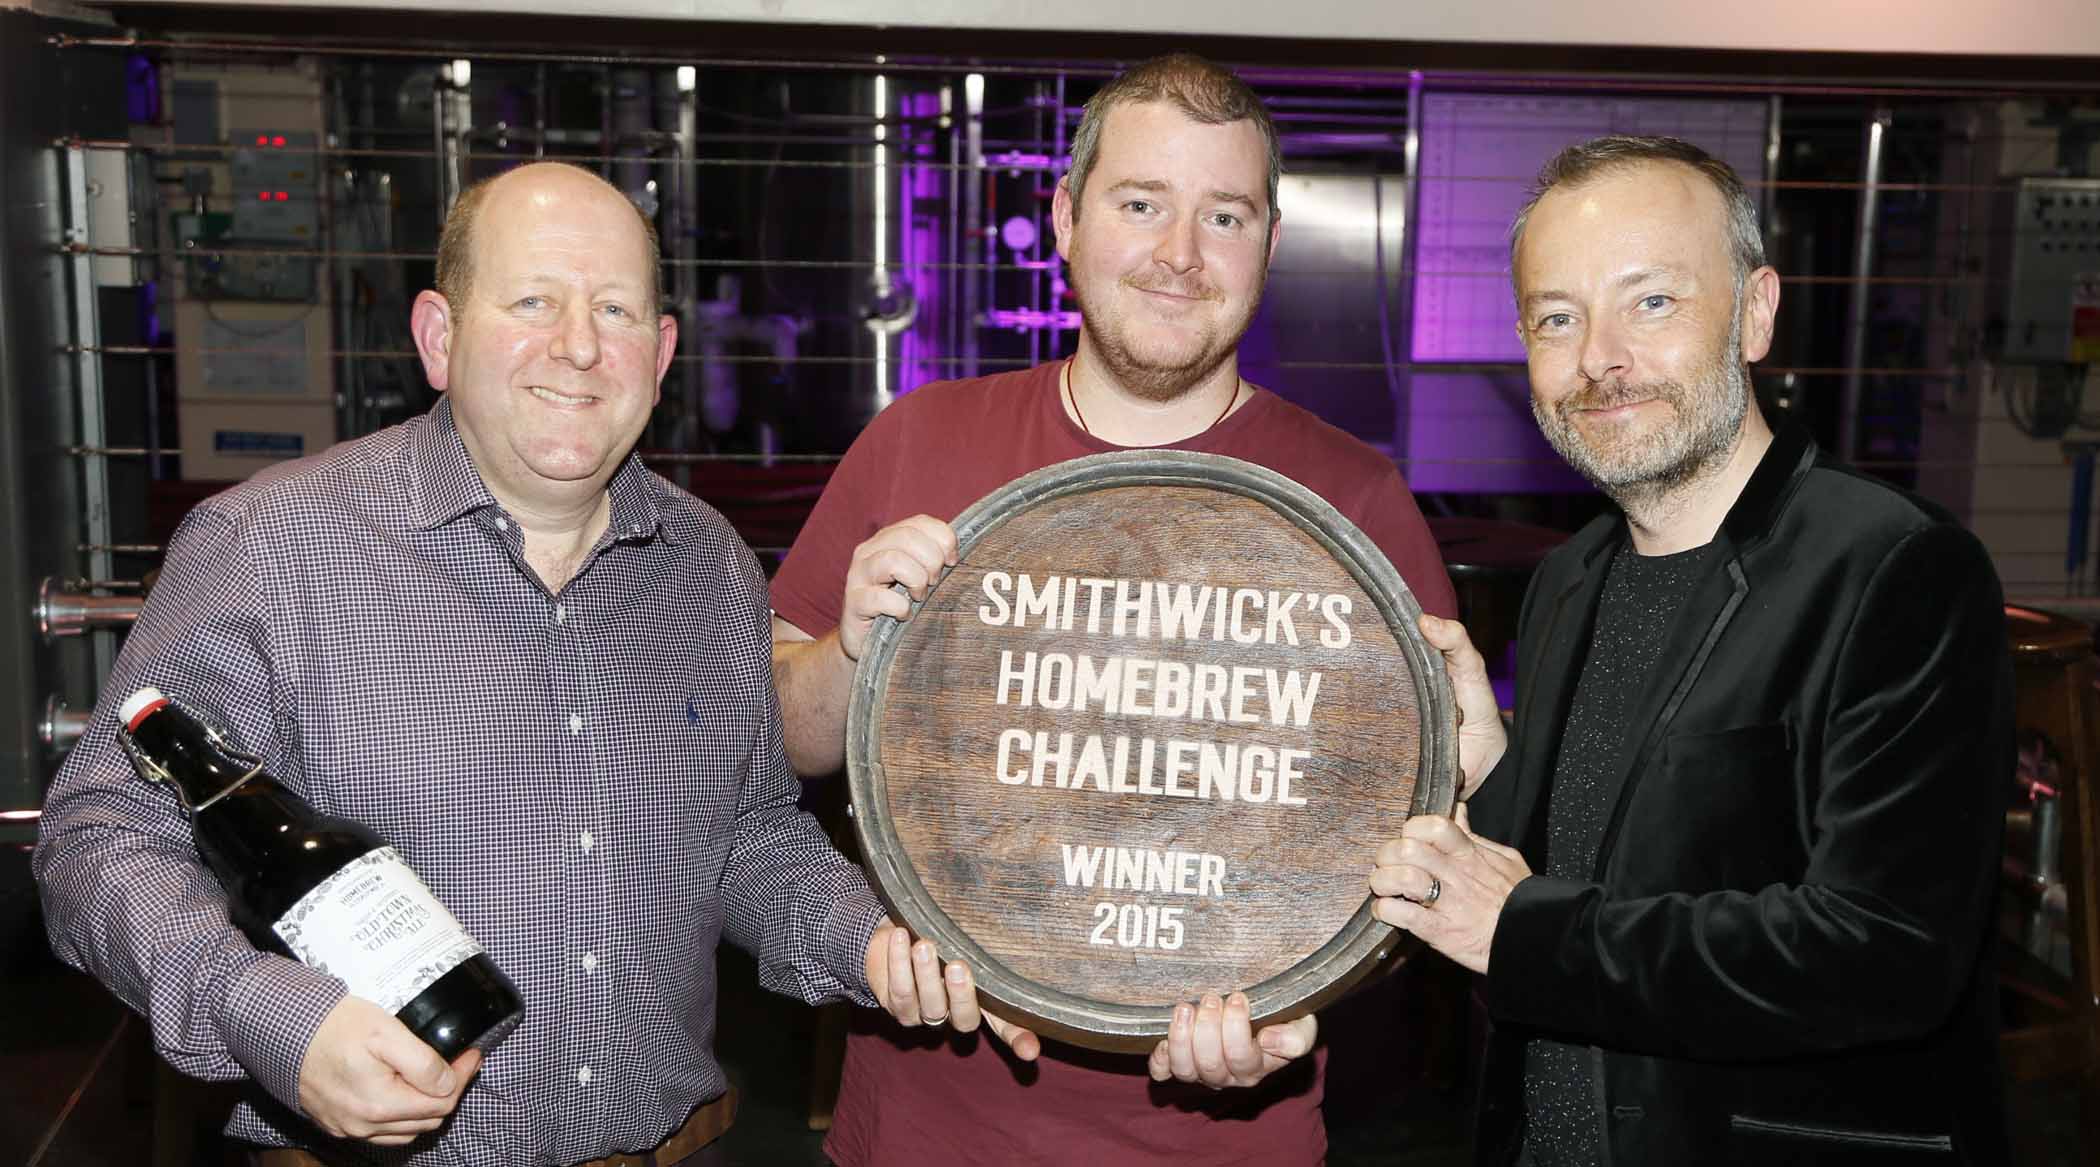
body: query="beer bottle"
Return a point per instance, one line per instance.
(322, 890)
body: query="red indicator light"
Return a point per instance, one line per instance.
(277, 141)
(262, 139)
(262, 196)
(282, 196)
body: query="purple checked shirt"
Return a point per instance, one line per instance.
(592, 781)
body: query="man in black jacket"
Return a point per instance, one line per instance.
(1753, 795)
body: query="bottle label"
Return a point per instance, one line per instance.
(375, 925)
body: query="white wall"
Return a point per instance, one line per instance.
(2013, 27)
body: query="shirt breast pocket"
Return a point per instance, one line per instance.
(1726, 806)
(711, 742)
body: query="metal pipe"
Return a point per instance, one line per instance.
(1257, 75)
(951, 318)
(60, 726)
(341, 186)
(62, 613)
(630, 101)
(1400, 373)
(972, 302)
(87, 333)
(452, 122)
(1765, 194)
(1851, 395)
(1035, 249)
(1061, 151)
(605, 122)
(685, 245)
(879, 184)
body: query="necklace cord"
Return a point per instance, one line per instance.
(1072, 396)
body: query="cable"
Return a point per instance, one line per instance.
(2047, 402)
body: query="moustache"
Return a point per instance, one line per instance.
(1191, 289)
(1613, 394)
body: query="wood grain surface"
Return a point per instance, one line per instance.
(1140, 744)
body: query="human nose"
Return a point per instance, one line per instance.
(576, 337)
(1604, 353)
(1177, 248)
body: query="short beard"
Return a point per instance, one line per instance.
(1163, 382)
(1709, 420)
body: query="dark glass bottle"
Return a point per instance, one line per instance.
(322, 889)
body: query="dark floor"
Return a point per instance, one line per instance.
(84, 1090)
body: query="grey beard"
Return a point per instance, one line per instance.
(1711, 422)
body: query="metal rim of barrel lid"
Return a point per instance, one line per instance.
(1307, 985)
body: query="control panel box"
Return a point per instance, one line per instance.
(2052, 293)
(275, 186)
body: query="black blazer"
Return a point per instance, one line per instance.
(1782, 954)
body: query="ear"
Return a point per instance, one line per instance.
(430, 322)
(1275, 234)
(666, 348)
(1062, 214)
(1760, 310)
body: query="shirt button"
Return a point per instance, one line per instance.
(587, 842)
(561, 613)
(583, 1075)
(590, 962)
(575, 724)
(502, 524)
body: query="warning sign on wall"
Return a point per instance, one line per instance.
(2085, 318)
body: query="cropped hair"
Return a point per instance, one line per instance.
(1585, 162)
(1208, 93)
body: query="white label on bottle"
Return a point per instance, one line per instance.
(375, 925)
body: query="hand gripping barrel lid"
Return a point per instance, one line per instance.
(1141, 742)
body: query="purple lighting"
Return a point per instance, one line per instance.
(921, 194)
(1022, 318)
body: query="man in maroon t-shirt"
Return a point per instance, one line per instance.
(1167, 220)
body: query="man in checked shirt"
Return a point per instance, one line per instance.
(539, 671)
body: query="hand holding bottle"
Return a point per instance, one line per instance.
(321, 889)
(367, 1077)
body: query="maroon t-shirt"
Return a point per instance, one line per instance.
(931, 1097)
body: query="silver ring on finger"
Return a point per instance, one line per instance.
(1436, 888)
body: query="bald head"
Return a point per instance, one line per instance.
(456, 243)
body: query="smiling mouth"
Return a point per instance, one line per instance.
(1611, 407)
(561, 399)
(1170, 293)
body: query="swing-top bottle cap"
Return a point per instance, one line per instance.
(138, 705)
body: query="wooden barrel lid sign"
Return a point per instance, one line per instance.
(1140, 743)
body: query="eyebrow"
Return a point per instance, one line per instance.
(1642, 275)
(1630, 279)
(1162, 186)
(616, 284)
(1147, 185)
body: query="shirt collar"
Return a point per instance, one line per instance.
(445, 484)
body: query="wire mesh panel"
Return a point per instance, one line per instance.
(837, 231)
